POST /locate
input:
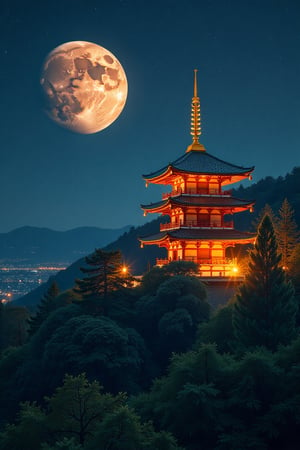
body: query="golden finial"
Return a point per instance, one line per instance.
(195, 83)
(195, 119)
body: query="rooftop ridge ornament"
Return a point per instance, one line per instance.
(195, 119)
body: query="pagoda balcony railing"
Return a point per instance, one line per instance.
(208, 192)
(166, 195)
(162, 262)
(200, 261)
(195, 224)
(208, 262)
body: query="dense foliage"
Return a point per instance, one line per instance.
(265, 310)
(194, 378)
(79, 415)
(287, 233)
(213, 401)
(46, 305)
(272, 191)
(13, 324)
(79, 335)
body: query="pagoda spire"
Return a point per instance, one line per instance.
(195, 119)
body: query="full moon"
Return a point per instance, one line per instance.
(85, 86)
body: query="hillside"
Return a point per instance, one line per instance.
(30, 245)
(137, 258)
(268, 190)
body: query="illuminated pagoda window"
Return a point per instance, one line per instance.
(198, 205)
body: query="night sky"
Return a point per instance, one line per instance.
(248, 56)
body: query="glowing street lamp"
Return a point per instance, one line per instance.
(124, 270)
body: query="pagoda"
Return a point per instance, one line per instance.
(198, 207)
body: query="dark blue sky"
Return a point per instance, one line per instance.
(248, 56)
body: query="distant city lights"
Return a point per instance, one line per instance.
(16, 281)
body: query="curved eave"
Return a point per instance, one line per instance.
(199, 163)
(169, 175)
(233, 236)
(212, 202)
(154, 239)
(160, 177)
(157, 207)
(236, 205)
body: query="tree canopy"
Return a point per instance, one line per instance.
(79, 415)
(287, 233)
(46, 305)
(222, 381)
(265, 309)
(105, 275)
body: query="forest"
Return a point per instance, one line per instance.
(117, 364)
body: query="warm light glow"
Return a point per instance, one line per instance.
(235, 270)
(124, 270)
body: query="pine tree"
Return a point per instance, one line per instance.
(105, 274)
(265, 309)
(294, 274)
(265, 211)
(287, 233)
(45, 307)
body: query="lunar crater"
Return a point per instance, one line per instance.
(85, 86)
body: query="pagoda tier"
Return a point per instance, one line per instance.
(198, 211)
(198, 170)
(230, 204)
(198, 207)
(229, 237)
(205, 247)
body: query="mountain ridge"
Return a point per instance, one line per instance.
(32, 245)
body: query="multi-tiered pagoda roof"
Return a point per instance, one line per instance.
(198, 206)
(200, 163)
